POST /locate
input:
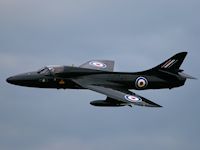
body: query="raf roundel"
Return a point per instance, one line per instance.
(141, 82)
(132, 98)
(98, 64)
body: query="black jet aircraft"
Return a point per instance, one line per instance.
(98, 76)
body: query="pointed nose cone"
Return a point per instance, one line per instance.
(11, 80)
(25, 79)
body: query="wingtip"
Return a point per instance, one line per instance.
(157, 105)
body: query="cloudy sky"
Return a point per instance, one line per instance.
(136, 34)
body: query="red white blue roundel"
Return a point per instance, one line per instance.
(98, 64)
(132, 98)
(141, 82)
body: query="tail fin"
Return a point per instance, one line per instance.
(172, 64)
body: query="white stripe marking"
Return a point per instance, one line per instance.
(168, 64)
(172, 63)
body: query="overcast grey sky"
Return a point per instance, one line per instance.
(136, 34)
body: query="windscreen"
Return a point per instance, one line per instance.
(44, 71)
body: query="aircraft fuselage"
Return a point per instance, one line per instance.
(64, 79)
(98, 76)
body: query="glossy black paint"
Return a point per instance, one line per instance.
(99, 77)
(110, 79)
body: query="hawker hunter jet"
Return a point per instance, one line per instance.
(98, 76)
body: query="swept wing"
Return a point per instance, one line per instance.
(103, 65)
(119, 96)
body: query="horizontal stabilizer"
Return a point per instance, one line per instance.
(184, 75)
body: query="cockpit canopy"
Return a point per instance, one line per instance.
(49, 70)
(44, 71)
